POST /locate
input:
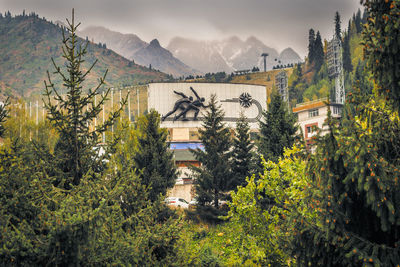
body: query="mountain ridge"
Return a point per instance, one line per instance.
(143, 53)
(228, 54)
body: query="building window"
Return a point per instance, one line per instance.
(337, 110)
(313, 113)
(311, 130)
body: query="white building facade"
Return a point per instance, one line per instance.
(311, 117)
(233, 98)
(182, 107)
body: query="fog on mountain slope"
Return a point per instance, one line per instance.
(229, 54)
(143, 53)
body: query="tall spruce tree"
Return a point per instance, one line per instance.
(153, 159)
(361, 79)
(356, 168)
(72, 115)
(358, 21)
(338, 30)
(214, 176)
(347, 65)
(311, 42)
(242, 154)
(381, 37)
(105, 219)
(318, 52)
(277, 129)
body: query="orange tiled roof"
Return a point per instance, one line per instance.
(312, 105)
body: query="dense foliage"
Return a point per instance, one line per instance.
(153, 160)
(104, 217)
(214, 176)
(381, 39)
(77, 150)
(243, 156)
(277, 129)
(308, 82)
(355, 171)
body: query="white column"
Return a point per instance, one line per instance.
(37, 112)
(104, 134)
(120, 98)
(138, 103)
(37, 118)
(95, 104)
(129, 107)
(112, 108)
(87, 108)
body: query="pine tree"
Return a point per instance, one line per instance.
(153, 160)
(360, 79)
(242, 154)
(214, 176)
(355, 170)
(295, 93)
(277, 129)
(318, 52)
(77, 149)
(107, 218)
(358, 21)
(338, 31)
(381, 37)
(347, 65)
(311, 42)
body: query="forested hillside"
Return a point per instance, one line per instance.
(27, 43)
(310, 81)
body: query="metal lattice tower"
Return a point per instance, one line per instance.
(281, 83)
(335, 70)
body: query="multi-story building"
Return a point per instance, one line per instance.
(182, 105)
(312, 116)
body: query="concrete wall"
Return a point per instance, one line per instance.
(162, 98)
(184, 191)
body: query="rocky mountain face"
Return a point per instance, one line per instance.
(229, 54)
(124, 44)
(160, 58)
(288, 55)
(133, 48)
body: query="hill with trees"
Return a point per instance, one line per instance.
(27, 42)
(310, 81)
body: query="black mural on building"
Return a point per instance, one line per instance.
(186, 104)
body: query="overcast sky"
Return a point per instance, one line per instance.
(278, 23)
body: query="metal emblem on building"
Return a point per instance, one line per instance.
(245, 100)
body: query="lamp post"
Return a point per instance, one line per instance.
(265, 55)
